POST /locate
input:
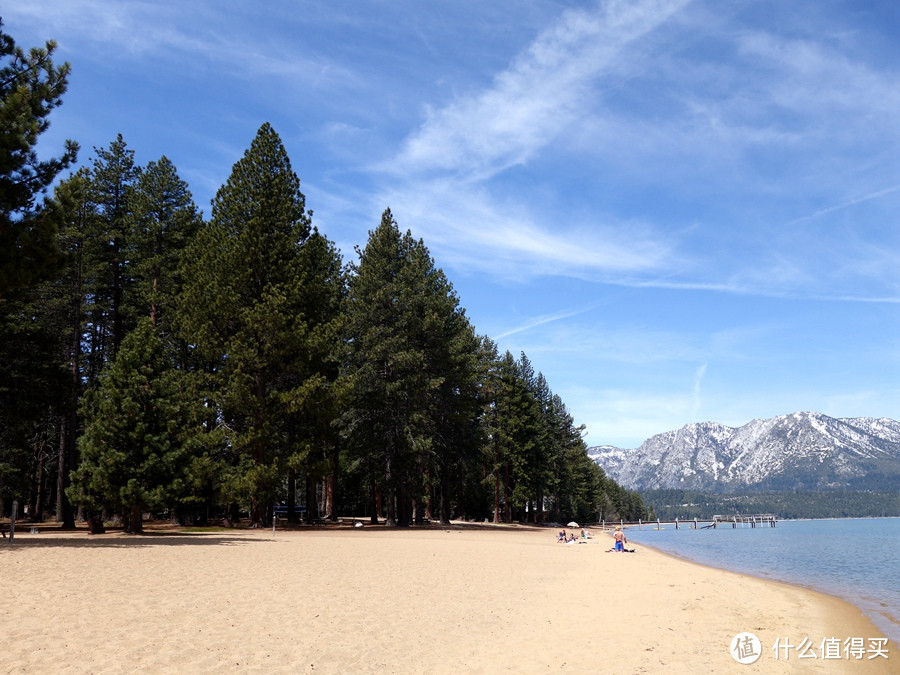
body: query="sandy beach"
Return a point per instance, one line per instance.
(372, 600)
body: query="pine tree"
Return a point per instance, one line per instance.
(243, 306)
(312, 386)
(411, 362)
(65, 303)
(515, 428)
(162, 219)
(31, 86)
(112, 183)
(134, 450)
(90, 207)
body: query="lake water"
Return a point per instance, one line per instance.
(854, 559)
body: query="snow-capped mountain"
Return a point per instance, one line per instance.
(803, 451)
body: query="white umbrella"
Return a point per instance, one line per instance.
(572, 524)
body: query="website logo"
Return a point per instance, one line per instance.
(746, 648)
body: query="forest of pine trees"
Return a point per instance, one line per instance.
(155, 362)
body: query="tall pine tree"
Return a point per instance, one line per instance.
(31, 86)
(245, 306)
(411, 365)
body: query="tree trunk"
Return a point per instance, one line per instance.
(508, 495)
(390, 492)
(445, 495)
(403, 503)
(312, 504)
(291, 497)
(496, 496)
(136, 520)
(65, 514)
(331, 484)
(328, 488)
(38, 505)
(376, 504)
(95, 525)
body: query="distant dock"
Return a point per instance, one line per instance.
(752, 520)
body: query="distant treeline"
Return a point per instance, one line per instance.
(686, 504)
(156, 362)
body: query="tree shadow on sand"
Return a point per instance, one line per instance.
(119, 540)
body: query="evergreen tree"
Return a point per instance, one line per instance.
(493, 455)
(162, 221)
(243, 306)
(90, 207)
(112, 183)
(517, 430)
(450, 346)
(313, 393)
(32, 387)
(546, 446)
(410, 362)
(134, 452)
(76, 214)
(31, 86)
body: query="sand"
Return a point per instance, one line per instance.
(372, 600)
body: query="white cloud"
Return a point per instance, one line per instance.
(440, 177)
(471, 230)
(535, 99)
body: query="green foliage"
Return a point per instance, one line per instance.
(161, 220)
(260, 298)
(111, 188)
(31, 86)
(31, 382)
(535, 459)
(410, 367)
(135, 448)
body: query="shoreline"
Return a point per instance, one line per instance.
(418, 600)
(873, 609)
(773, 580)
(808, 587)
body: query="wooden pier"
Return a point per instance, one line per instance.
(754, 520)
(738, 520)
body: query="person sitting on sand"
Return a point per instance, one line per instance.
(620, 539)
(561, 536)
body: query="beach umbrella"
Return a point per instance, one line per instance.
(572, 524)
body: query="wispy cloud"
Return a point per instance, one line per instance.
(845, 204)
(541, 321)
(473, 230)
(753, 128)
(535, 99)
(193, 35)
(441, 175)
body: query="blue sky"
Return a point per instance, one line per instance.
(680, 211)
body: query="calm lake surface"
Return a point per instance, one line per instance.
(854, 559)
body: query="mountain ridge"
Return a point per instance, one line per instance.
(797, 451)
